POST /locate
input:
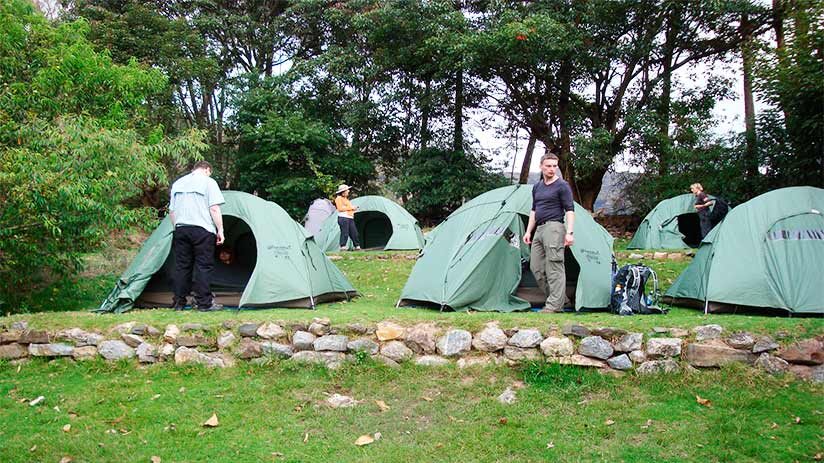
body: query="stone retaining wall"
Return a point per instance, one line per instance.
(611, 350)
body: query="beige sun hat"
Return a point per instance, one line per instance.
(343, 187)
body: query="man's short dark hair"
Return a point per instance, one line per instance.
(549, 156)
(202, 165)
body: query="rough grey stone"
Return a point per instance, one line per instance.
(303, 340)
(10, 337)
(166, 351)
(331, 360)
(270, 330)
(664, 347)
(226, 340)
(455, 343)
(658, 366)
(741, 340)
(557, 346)
(629, 342)
(115, 350)
(764, 344)
(132, 340)
(79, 337)
(13, 351)
(276, 349)
(490, 339)
(715, 354)
(341, 401)
(509, 396)
(318, 329)
(388, 331)
(331, 342)
(469, 362)
(195, 340)
(817, 374)
(707, 332)
(526, 339)
(248, 330)
(578, 360)
(678, 333)
(421, 338)
(608, 332)
(50, 350)
(146, 353)
(772, 364)
(397, 351)
(171, 333)
(519, 354)
(431, 361)
(620, 362)
(806, 352)
(357, 328)
(84, 353)
(34, 337)
(660, 330)
(638, 356)
(20, 325)
(636, 256)
(579, 331)
(185, 355)
(123, 328)
(596, 347)
(248, 348)
(363, 345)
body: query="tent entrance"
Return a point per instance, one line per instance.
(374, 229)
(529, 291)
(229, 278)
(690, 226)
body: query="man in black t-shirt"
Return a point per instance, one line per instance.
(552, 219)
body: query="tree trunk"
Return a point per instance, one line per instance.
(530, 147)
(751, 153)
(458, 140)
(666, 90)
(426, 108)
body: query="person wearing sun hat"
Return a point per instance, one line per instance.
(346, 217)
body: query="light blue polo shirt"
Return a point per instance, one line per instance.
(191, 197)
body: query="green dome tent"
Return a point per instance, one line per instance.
(381, 223)
(276, 263)
(476, 259)
(671, 224)
(766, 254)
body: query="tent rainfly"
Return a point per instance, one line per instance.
(765, 255)
(476, 259)
(276, 264)
(318, 211)
(381, 224)
(671, 224)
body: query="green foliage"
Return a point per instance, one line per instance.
(435, 182)
(74, 148)
(287, 156)
(791, 80)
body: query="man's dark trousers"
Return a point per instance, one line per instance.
(193, 246)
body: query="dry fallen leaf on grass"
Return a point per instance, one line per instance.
(306, 438)
(382, 405)
(550, 445)
(155, 459)
(33, 448)
(774, 425)
(818, 457)
(67, 428)
(66, 460)
(156, 396)
(428, 399)
(647, 424)
(797, 420)
(503, 420)
(702, 401)
(212, 422)
(609, 422)
(365, 439)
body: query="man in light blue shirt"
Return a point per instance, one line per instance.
(194, 209)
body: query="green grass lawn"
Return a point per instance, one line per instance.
(276, 412)
(379, 277)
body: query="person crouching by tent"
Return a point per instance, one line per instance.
(346, 218)
(702, 205)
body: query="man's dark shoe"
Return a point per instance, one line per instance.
(212, 308)
(179, 305)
